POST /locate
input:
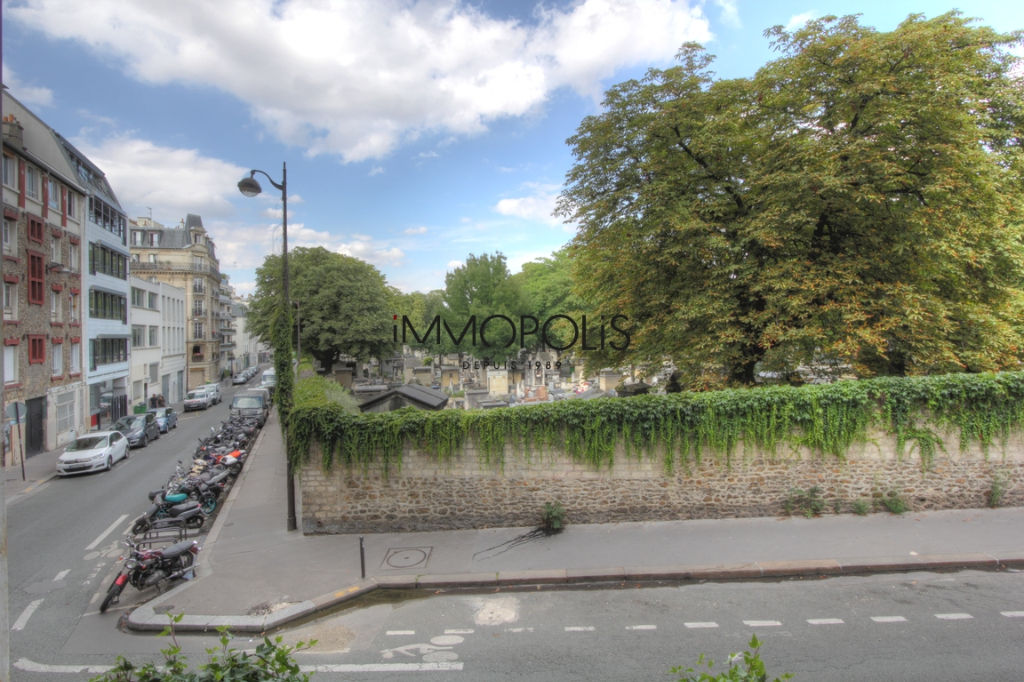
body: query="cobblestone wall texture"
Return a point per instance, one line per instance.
(468, 493)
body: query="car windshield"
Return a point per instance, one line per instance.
(127, 423)
(248, 401)
(86, 443)
(161, 412)
(196, 395)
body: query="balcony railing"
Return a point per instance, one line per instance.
(178, 267)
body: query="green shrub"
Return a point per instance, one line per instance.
(807, 502)
(994, 498)
(861, 507)
(750, 669)
(553, 518)
(894, 503)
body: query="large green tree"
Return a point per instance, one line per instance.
(483, 288)
(344, 306)
(857, 199)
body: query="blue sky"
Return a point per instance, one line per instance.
(416, 132)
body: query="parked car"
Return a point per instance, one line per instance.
(197, 399)
(239, 378)
(269, 379)
(268, 394)
(250, 404)
(139, 429)
(213, 390)
(96, 451)
(166, 418)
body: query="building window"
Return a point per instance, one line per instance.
(66, 411)
(53, 194)
(74, 308)
(35, 228)
(35, 278)
(198, 286)
(107, 217)
(138, 237)
(107, 351)
(138, 336)
(10, 172)
(10, 236)
(153, 301)
(197, 330)
(104, 305)
(10, 301)
(55, 307)
(107, 261)
(36, 349)
(32, 182)
(138, 297)
(152, 258)
(76, 358)
(10, 363)
(154, 239)
(56, 360)
(154, 372)
(198, 309)
(55, 251)
(75, 256)
(154, 336)
(71, 205)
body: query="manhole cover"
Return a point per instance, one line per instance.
(407, 557)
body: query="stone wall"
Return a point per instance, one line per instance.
(467, 493)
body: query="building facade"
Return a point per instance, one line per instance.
(45, 205)
(158, 323)
(185, 257)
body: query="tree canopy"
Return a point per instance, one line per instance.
(857, 199)
(343, 304)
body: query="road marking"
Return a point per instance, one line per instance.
(518, 630)
(105, 533)
(33, 667)
(1013, 614)
(63, 574)
(889, 619)
(641, 627)
(762, 623)
(825, 621)
(579, 628)
(382, 667)
(694, 626)
(25, 615)
(397, 633)
(459, 631)
(954, 616)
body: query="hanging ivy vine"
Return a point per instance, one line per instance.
(828, 419)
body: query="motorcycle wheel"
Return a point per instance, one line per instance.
(196, 522)
(140, 526)
(209, 503)
(112, 594)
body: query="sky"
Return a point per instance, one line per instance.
(415, 132)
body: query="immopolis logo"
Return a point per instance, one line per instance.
(559, 332)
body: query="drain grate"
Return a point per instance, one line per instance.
(407, 557)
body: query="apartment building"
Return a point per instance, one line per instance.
(158, 321)
(45, 206)
(185, 257)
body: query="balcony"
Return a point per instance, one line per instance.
(175, 267)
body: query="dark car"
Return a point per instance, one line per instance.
(250, 404)
(139, 429)
(166, 418)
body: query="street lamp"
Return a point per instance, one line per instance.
(250, 188)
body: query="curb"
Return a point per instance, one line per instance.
(144, 618)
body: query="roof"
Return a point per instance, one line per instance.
(414, 394)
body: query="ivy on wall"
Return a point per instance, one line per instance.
(828, 419)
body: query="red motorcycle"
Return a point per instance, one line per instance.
(148, 567)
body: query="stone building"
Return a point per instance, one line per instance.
(185, 256)
(45, 204)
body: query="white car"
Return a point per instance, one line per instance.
(197, 399)
(213, 390)
(95, 451)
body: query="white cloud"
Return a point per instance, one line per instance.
(364, 248)
(797, 21)
(170, 182)
(358, 79)
(538, 206)
(415, 230)
(29, 95)
(376, 170)
(454, 265)
(730, 13)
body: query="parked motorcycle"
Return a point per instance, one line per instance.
(148, 567)
(168, 506)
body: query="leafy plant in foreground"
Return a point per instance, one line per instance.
(746, 666)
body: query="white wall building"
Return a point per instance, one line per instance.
(157, 317)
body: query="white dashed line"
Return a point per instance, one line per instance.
(954, 616)
(1013, 614)
(444, 666)
(92, 545)
(762, 623)
(825, 621)
(25, 615)
(33, 667)
(889, 619)
(579, 628)
(399, 633)
(697, 626)
(518, 630)
(641, 627)
(63, 574)
(459, 631)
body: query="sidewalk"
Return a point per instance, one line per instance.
(254, 575)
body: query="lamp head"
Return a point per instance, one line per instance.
(249, 187)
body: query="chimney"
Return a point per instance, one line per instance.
(14, 133)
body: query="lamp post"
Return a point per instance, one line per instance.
(250, 188)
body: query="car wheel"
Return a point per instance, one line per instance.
(110, 462)
(145, 440)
